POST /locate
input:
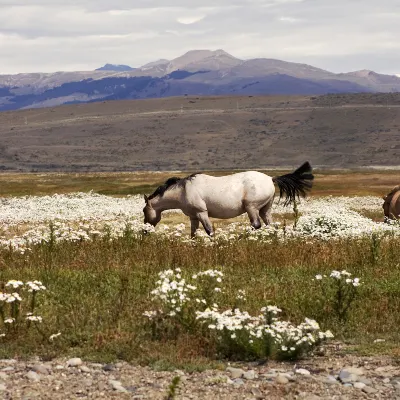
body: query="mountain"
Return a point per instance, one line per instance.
(197, 72)
(113, 67)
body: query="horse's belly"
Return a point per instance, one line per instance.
(223, 210)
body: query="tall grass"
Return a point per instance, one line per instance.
(98, 291)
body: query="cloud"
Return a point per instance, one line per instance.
(53, 35)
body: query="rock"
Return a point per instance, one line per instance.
(3, 387)
(354, 371)
(238, 381)
(8, 369)
(3, 376)
(117, 386)
(41, 369)
(281, 379)
(330, 380)
(347, 377)
(256, 392)
(179, 372)
(386, 380)
(85, 369)
(108, 367)
(58, 367)
(348, 384)
(87, 382)
(379, 340)
(249, 375)
(235, 372)
(33, 376)
(74, 362)
(359, 385)
(303, 371)
(367, 381)
(369, 390)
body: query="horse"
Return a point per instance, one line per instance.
(391, 204)
(202, 196)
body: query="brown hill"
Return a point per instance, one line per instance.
(203, 133)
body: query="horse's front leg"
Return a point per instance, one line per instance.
(194, 225)
(205, 221)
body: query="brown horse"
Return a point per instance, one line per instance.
(391, 205)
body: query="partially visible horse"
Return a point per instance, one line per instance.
(202, 196)
(391, 205)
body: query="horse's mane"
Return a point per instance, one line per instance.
(171, 183)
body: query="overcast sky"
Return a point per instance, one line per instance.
(67, 35)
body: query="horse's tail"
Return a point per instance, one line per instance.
(295, 184)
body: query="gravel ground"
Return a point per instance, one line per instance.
(344, 377)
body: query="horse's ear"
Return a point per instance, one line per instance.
(146, 199)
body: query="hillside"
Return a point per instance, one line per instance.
(204, 133)
(195, 73)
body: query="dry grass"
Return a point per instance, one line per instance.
(98, 291)
(343, 183)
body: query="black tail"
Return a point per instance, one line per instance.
(295, 184)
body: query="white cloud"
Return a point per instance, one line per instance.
(48, 35)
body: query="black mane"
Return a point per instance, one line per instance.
(170, 183)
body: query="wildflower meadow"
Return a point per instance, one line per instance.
(79, 276)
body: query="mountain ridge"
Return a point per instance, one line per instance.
(196, 72)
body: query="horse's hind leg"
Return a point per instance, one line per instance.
(205, 221)
(265, 213)
(254, 217)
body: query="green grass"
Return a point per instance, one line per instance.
(98, 291)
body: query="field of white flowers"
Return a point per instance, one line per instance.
(28, 220)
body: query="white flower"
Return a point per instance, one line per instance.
(9, 320)
(15, 284)
(318, 277)
(54, 335)
(34, 318)
(335, 274)
(35, 286)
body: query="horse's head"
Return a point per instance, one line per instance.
(387, 201)
(151, 216)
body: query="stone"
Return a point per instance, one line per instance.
(8, 369)
(179, 372)
(354, 371)
(256, 392)
(347, 377)
(330, 380)
(41, 369)
(369, 390)
(386, 380)
(281, 379)
(85, 369)
(108, 367)
(235, 372)
(365, 380)
(3, 387)
(379, 340)
(33, 376)
(359, 385)
(303, 371)
(117, 386)
(74, 362)
(238, 381)
(3, 376)
(249, 375)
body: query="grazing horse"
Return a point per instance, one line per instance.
(391, 205)
(202, 196)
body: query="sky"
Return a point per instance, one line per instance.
(72, 35)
